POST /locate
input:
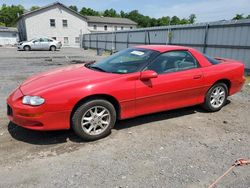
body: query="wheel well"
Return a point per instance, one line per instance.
(26, 45)
(52, 46)
(109, 98)
(225, 81)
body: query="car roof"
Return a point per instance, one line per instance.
(163, 48)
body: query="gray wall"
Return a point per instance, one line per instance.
(228, 39)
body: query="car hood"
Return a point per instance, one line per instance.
(62, 76)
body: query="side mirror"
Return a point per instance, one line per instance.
(148, 74)
(34, 41)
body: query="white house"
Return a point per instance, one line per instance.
(59, 22)
(55, 21)
(100, 23)
(8, 36)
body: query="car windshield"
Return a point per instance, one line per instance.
(126, 61)
(32, 39)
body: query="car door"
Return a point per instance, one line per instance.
(179, 83)
(46, 44)
(43, 45)
(35, 45)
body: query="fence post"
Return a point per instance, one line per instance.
(106, 39)
(149, 38)
(205, 39)
(115, 41)
(127, 39)
(90, 41)
(96, 41)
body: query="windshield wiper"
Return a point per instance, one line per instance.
(97, 68)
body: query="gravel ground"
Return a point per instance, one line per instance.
(181, 148)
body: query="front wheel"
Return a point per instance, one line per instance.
(52, 48)
(26, 48)
(216, 97)
(94, 119)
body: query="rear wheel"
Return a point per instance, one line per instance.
(94, 119)
(216, 97)
(52, 48)
(26, 48)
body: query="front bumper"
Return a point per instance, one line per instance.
(35, 118)
(19, 47)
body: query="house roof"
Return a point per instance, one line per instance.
(92, 19)
(111, 20)
(8, 29)
(51, 5)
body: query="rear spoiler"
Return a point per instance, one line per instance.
(227, 60)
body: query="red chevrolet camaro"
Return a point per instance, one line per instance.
(140, 80)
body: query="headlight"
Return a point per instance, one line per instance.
(33, 100)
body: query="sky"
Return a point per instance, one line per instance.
(205, 10)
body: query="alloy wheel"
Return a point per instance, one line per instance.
(95, 120)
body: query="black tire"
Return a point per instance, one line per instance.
(26, 48)
(52, 48)
(83, 109)
(208, 104)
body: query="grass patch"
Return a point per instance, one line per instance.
(248, 79)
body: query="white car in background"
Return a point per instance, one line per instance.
(39, 44)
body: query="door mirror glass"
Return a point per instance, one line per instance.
(148, 74)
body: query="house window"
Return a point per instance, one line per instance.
(54, 38)
(77, 40)
(105, 28)
(95, 27)
(13, 34)
(131, 27)
(52, 23)
(66, 40)
(65, 23)
(115, 28)
(122, 27)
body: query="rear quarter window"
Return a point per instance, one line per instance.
(212, 60)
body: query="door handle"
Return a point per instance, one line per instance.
(197, 76)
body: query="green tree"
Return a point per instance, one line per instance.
(34, 8)
(9, 14)
(175, 20)
(89, 12)
(184, 21)
(163, 21)
(123, 14)
(192, 18)
(238, 17)
(110, 13)
(73, 7)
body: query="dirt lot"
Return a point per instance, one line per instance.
(180, 148)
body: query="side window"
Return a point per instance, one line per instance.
(52, 23)
(173, 61)
(65, 23)
(45, 40)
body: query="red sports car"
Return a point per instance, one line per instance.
(140, 80)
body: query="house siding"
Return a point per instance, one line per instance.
(110, 27)
(8, 38)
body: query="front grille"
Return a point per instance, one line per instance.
(9, 111)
